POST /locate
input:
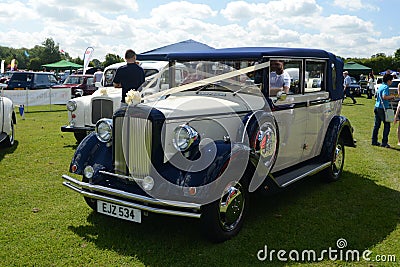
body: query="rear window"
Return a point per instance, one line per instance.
(74, 80)
(21, 77)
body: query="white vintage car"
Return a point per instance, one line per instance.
(234, 126)
(85, 111)
(7, 121)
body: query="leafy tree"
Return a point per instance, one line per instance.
(96, 63)
(111, 59)
(35, 64)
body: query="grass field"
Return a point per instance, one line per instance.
(42, 223)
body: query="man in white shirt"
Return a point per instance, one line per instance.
(278, 79)
(346, 86)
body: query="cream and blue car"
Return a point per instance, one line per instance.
(227, 130)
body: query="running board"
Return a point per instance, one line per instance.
(286, 179)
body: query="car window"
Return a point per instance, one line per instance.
(20, 77)
(41, 79)
(109, 77)
(285, 76)
(73, 80)
(395, 84)
(315, 71)
(52, 78)
(90, 81)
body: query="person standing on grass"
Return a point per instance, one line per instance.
(382, 101)
(346, 86)
(397, 116)
(371, 86)
(397, 119)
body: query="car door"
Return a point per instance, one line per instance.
(291, 116)
(318, 107)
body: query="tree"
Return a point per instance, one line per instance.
(111, 59)
(96, 63)
(51, 51)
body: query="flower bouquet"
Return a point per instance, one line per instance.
(133, 97)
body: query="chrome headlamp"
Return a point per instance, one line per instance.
(71, 105)
(103, 130)
(184, 136)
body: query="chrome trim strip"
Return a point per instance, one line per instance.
(123, 177)
(311, 172)
(78, 186)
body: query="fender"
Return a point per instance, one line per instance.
(91, 152)
(262, 133)
(232, 155)
(339, 126)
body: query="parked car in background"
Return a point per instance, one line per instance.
(7, 121)
(23, 80)
(393, 90)
(199, 149)
(5, 77)
(364, 85)
(85, 111)
(355, 87)
(80, 84)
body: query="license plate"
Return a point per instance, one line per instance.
(121, 212)
(19, 88)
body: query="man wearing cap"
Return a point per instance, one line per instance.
(346, 86)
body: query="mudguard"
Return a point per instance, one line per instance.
(227, 155)
(91, 152)
(338, 127)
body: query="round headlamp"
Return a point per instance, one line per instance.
(184, 136)
(104, 130)
(88, 172)
(71, 105)
(148, 183)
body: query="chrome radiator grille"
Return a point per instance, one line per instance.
(132, 146)
(101, 108)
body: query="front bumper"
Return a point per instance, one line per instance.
(68, 128)
(123, 198)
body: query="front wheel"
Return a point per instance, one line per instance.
(10, 140)
(335, 169)
(223, 218)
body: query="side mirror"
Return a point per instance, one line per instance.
(78, 92)
(281, 96)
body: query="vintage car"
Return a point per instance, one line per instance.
(85, 111)
(80, 84)
(200, 148)
(7, 121)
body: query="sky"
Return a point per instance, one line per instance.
(356, 28)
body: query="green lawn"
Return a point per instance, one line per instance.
(43, 223)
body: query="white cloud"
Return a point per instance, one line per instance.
(240, 10)
(354, 5)
(112, 27)
(183, 9)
